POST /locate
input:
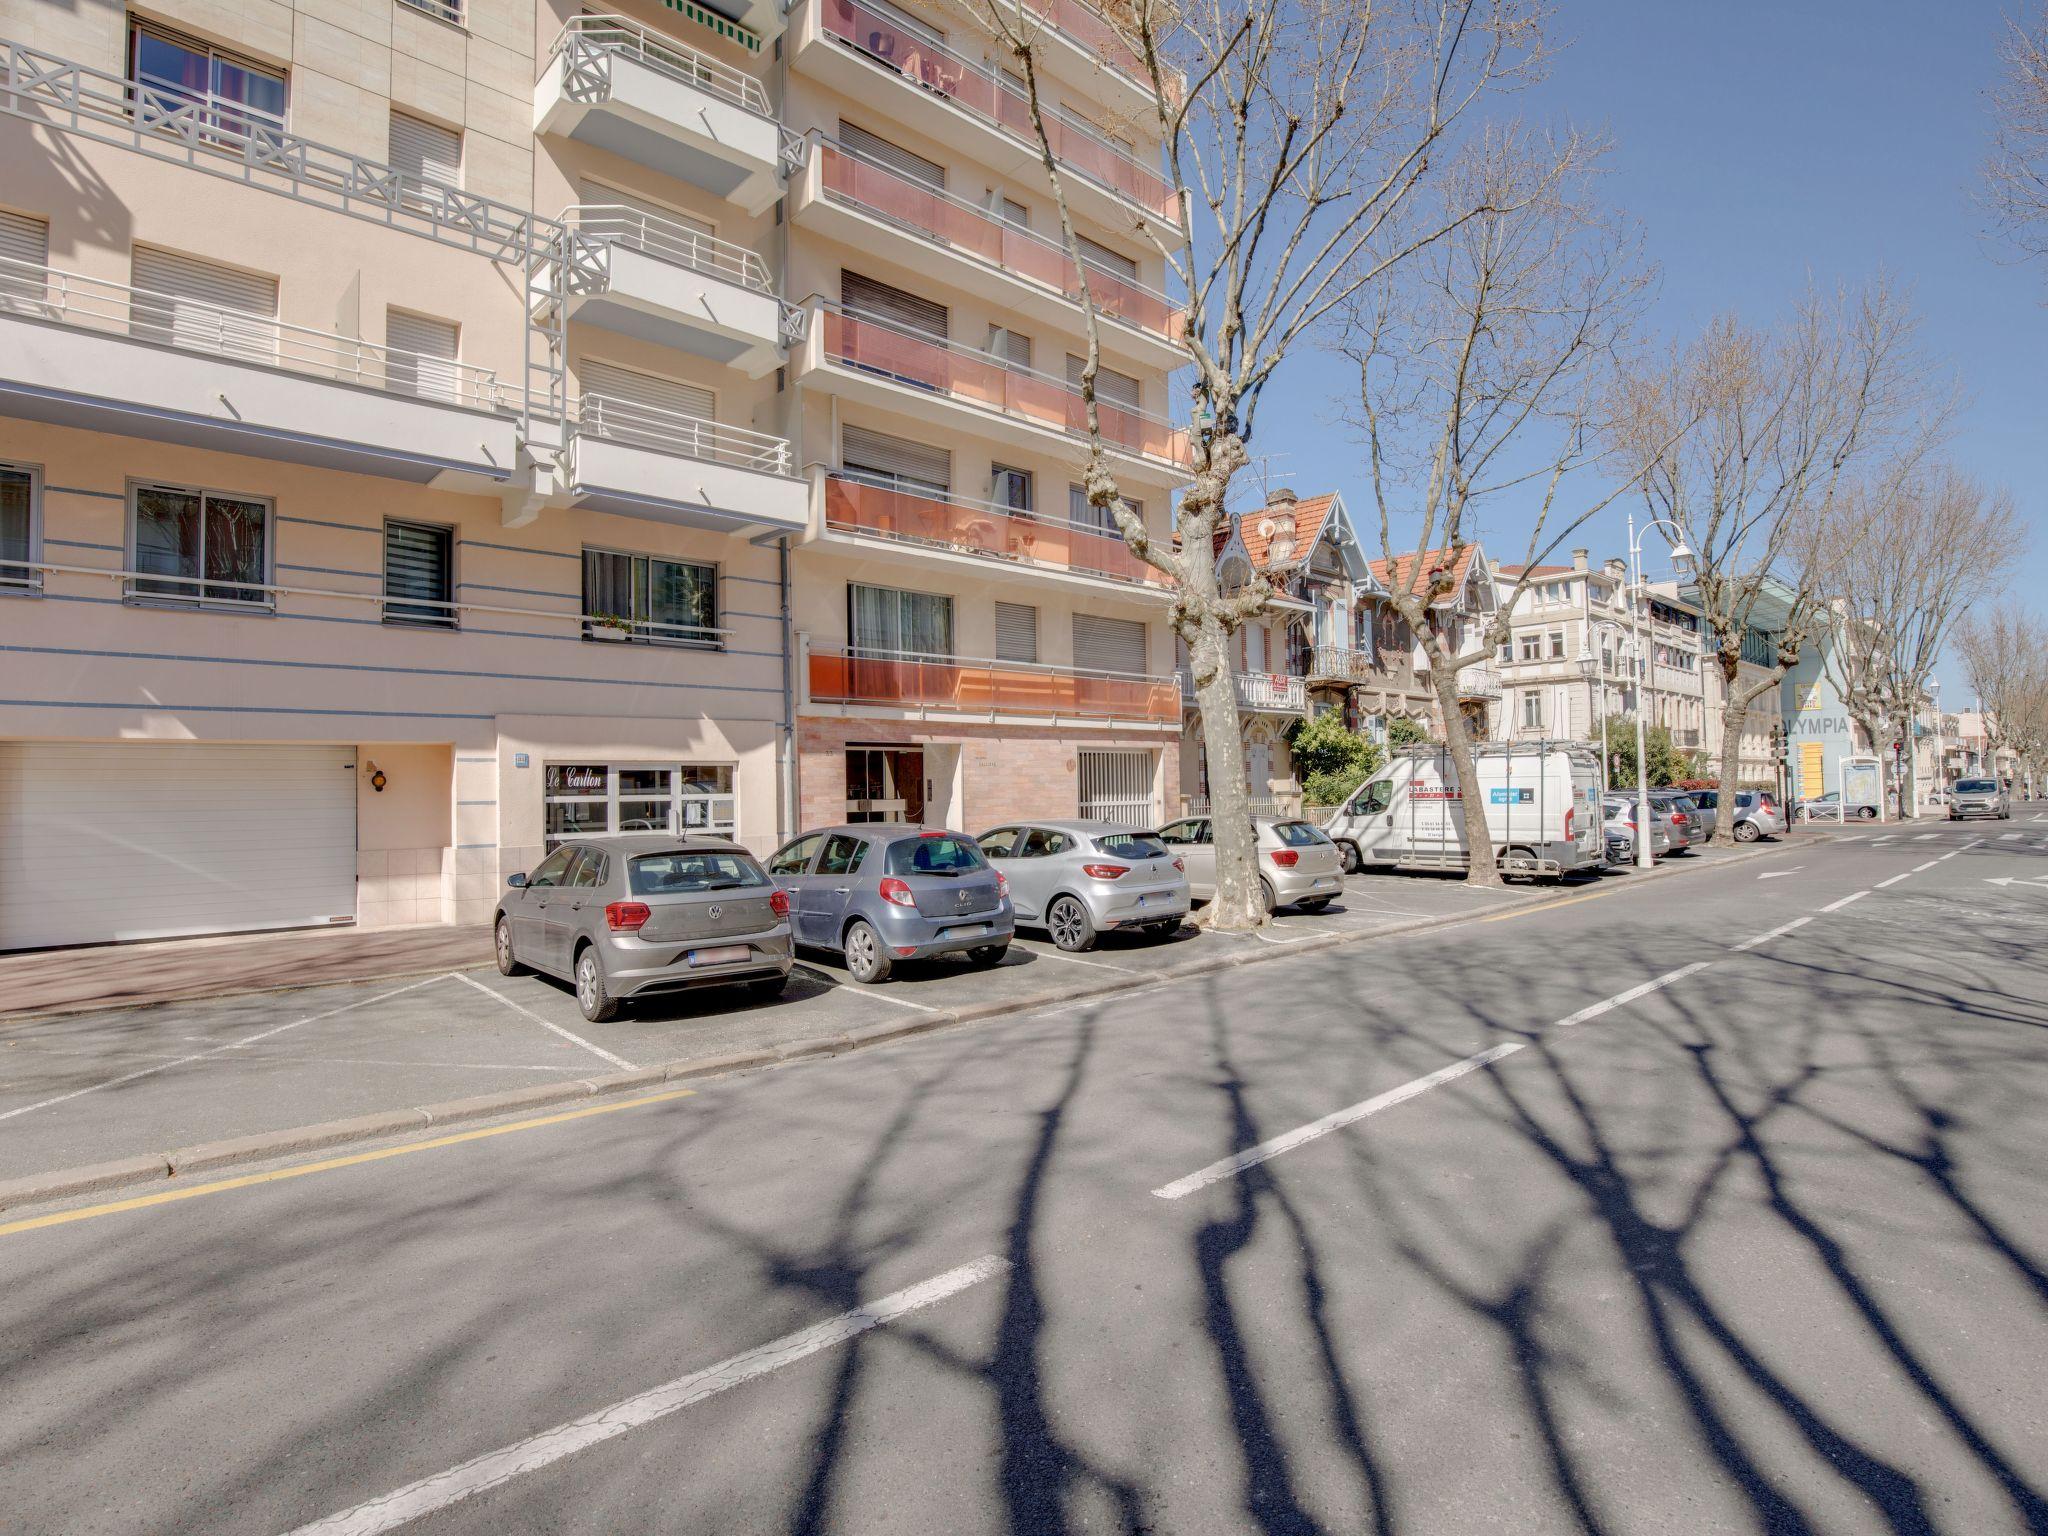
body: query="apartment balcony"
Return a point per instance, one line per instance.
(664, 282)
(918, 527)
(1340, 664)
(866, 358)
(82, 352)
(868, 205)
(943, 93)
(895, 680)
(1258, 693)
(1474, 684)
(621, 87)
(643, 462)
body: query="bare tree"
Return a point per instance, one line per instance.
(1763, 429)
(2004, 653)
(1484, 368)
(1294, 135)
(1919, 551)
(2016, 170)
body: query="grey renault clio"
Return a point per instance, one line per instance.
(630, 916)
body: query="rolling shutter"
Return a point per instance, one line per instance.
(1111, 387)
(425, 151)
(421, 359)
(872, 146)
(1011, 346)
(182, 299)
(26, 240)
(632, 388)
(1016, 632)
(896, 459)
(1109, 261)
(419, 563)
(1108, 645)
(865, 296)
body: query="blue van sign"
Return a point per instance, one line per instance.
(1511, 795)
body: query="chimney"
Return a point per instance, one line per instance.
(1617, 568)
(1580, 558)
(1278, 526)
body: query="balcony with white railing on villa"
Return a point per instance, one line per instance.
(864, 357)
(957, 99)
(83, 352)
(642, 275)
(919, 527)
(918, 684)
(1259, 693)
(865, 203)
(642, 461)
(619, 86)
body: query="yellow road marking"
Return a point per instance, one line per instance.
(299, 1170)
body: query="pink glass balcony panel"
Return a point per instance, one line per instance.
(980, 688)
(854, 507)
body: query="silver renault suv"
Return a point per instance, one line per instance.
(1080, 879)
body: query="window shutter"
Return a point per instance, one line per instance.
(1012, 347)
(1109, 645)
(632, 388)
(1111, 387)
(872, 146)
(425, 151)
(418, 574)
(1109, 261)
(421, 359)
(180, 293)
(26, 240)
(1016, 632)
(895, 458)
(1009, 210)
(865, 296)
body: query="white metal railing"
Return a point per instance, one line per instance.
(587, 36)
(689, 437)
(222, 113)
(1266, 692)
(90, 303)
(670, 241)
(441, 10)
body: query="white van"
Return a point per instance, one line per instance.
(1542, 806)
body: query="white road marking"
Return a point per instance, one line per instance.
(1920, 869)
(570, 1035)
(1926, 837)
(2030, 885)
(496, 1468)
(1775, 933)
(859, 991)
(1836, 906)
(1779, 874)
(232, 1045)
(1607, 1005)
(2009, 837)
(1055, 952)
(1895, 879)
(1315, 1130)
(1973, 842)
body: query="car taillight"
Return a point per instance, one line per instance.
(1568, 824)
(1104, 871)
(778, 902)
(1002, 885)
(1678, 818)
(896, 892)
(1286, 858)
(627, 916)
(1181, 865)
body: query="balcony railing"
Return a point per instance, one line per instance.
(90, 303)
(666, 240)
(1266, 693)
(984, 529)
(662, 54)
(902, 680)
(972, 231)
(881, 347)
(1342, 664)
(688, 437)
(984, 93)
(1092, 30)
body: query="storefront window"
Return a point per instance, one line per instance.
(584, 799)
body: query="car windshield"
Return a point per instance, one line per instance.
(673, 874)
(1131, 845)
(1297, 834)
(1976, 787)
(934, 853)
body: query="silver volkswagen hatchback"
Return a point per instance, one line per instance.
(1297, 865)
(1080, 879)
(625, 917)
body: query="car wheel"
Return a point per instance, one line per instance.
(768, 988)
(1866, 813)
(508, 963)
(866, 961)
(1354, 864)
(1266, 894)
(592, 996)
(1313, 904)
(1747, 832)
(988, 957)
(1068, 923)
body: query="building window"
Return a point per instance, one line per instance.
(647, 599)
(1017, 632)
(886, 621)
(588, 799)
(419, 575)
(1013, 489)
(1557, 645)
(1532, 647)
(21, 531)
(1532, 710)
(420, 355)
(174, 73)
(425, 152)
(199, 548)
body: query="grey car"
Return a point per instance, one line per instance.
(1702, 807)
(882, 892)
(624, 917)
(1619, 825)
(1681, 815)
(1080, 879)
(1297, 864)
(1979, 797)
(1756, 812)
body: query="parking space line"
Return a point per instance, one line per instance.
(1053, 951)
(569, 1035)
(888, 997)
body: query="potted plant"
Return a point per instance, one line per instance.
(609, 626)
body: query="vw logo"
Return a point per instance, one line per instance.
(713, 912)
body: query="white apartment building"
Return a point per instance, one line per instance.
(430, 428)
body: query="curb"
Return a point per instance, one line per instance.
(161, 1166)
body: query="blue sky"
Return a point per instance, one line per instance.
(1760, 143)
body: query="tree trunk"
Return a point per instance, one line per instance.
(1481, 867)
(1239, 903)
(1733, 717)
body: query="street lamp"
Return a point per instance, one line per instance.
(1681, 562)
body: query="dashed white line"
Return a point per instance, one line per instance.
(1775, 933)
(1836, 906)
(570, 1035)
(1895, 879)
(1920, 869)
(496, 1468)
(1619, 999)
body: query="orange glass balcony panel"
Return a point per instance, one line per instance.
(980, 688)
(853, 506)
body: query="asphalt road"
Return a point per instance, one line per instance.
(1703, 1205)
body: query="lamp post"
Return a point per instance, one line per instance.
(1681, 562)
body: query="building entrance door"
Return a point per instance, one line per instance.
(884, 784)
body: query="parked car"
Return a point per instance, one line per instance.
(1683, 816)
(1700, 817)
(1980, 797)
(882, 892)
(624, 917)
(1756, 812)
(1298, 865)
(1829, 807)
(1079, 879)
(1619, 825)
(1539, 799)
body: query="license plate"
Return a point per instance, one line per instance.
(725, 954)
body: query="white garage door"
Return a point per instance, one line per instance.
(157, 839)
